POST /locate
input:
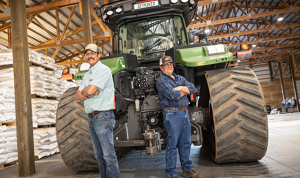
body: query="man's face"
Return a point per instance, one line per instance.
(167, 69)
(92, 57)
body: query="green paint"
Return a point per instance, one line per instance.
(79, 76)
(198, 56)
(115, 64)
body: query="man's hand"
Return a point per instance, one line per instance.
(97, 92)
(183, 89)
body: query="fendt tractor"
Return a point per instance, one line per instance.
(228, 115)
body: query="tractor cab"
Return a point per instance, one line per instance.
(148, 28)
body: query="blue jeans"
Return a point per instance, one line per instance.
(178, 127)
(101, 131)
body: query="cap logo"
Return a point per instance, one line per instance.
(167, 59)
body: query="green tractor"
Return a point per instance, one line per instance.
(227, 115)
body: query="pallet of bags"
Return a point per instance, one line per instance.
(45, 142)
(44, 111)
(8, 144)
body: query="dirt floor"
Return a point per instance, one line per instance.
(282, 159)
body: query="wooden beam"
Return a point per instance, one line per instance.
(42, 8)
(264, 40)
(252, 62)
(67, 42)
(234, 19)
(71, 62)
(97, 19)
(23, 106)
(258, 56)
(209, 2)
(87, 28)
(62, 36)
(292, 67)
(280, 26)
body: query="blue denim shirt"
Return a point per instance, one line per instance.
(99, 75)
(168, 97)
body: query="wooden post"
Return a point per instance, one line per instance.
(281, 77)
(271, 70)
(22, 88)
(292, 67)
(86, 17)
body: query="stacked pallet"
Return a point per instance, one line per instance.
(46, 89)
(8, 144)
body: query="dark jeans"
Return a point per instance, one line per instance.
(101, 131)
(178, 127)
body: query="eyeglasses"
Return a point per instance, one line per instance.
(91, 53)
(168, 64)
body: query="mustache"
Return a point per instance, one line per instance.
(90, 58)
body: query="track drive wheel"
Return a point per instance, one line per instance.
(239, 131)
(72, 132)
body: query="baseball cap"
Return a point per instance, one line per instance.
(164, 60)
(92, 47)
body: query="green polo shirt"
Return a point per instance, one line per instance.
(99, 75)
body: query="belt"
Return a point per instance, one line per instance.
(178, 109)
(95, 113)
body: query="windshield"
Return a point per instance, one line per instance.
(151, 38)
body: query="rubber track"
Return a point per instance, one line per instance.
(239, 116)
(72, 133)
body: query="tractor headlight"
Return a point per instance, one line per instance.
(84, 67)
(119, 10)
(110, 12)
(184, 1)
(174, 1)
(104, 16)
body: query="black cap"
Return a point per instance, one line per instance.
(164, 60)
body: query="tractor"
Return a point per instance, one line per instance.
(228, 116)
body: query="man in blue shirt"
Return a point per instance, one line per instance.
(97, 91)
(172, 94)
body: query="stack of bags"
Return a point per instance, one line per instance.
(8, 144)
(45, 143)
(43, 111)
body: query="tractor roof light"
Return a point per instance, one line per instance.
(96, 4)
(119, 10)
(174, 1)
(192, 2)
(184, 1)
(110, 12)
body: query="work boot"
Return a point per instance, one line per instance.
(191, 174)
(174, 177)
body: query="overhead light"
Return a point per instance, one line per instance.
(174, 1)
(184, 1)
(280, 19)
(192, 2)
(110, 12)
(207, 31)
(119, 10)
(253, 46)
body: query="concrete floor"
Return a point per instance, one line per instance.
(282, 159)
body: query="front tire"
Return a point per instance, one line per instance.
(239, 131)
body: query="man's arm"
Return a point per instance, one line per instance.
(80, 96)
(184, 90)
(90, 90)
(166, 90)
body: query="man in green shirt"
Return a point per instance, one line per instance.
(97, 91)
